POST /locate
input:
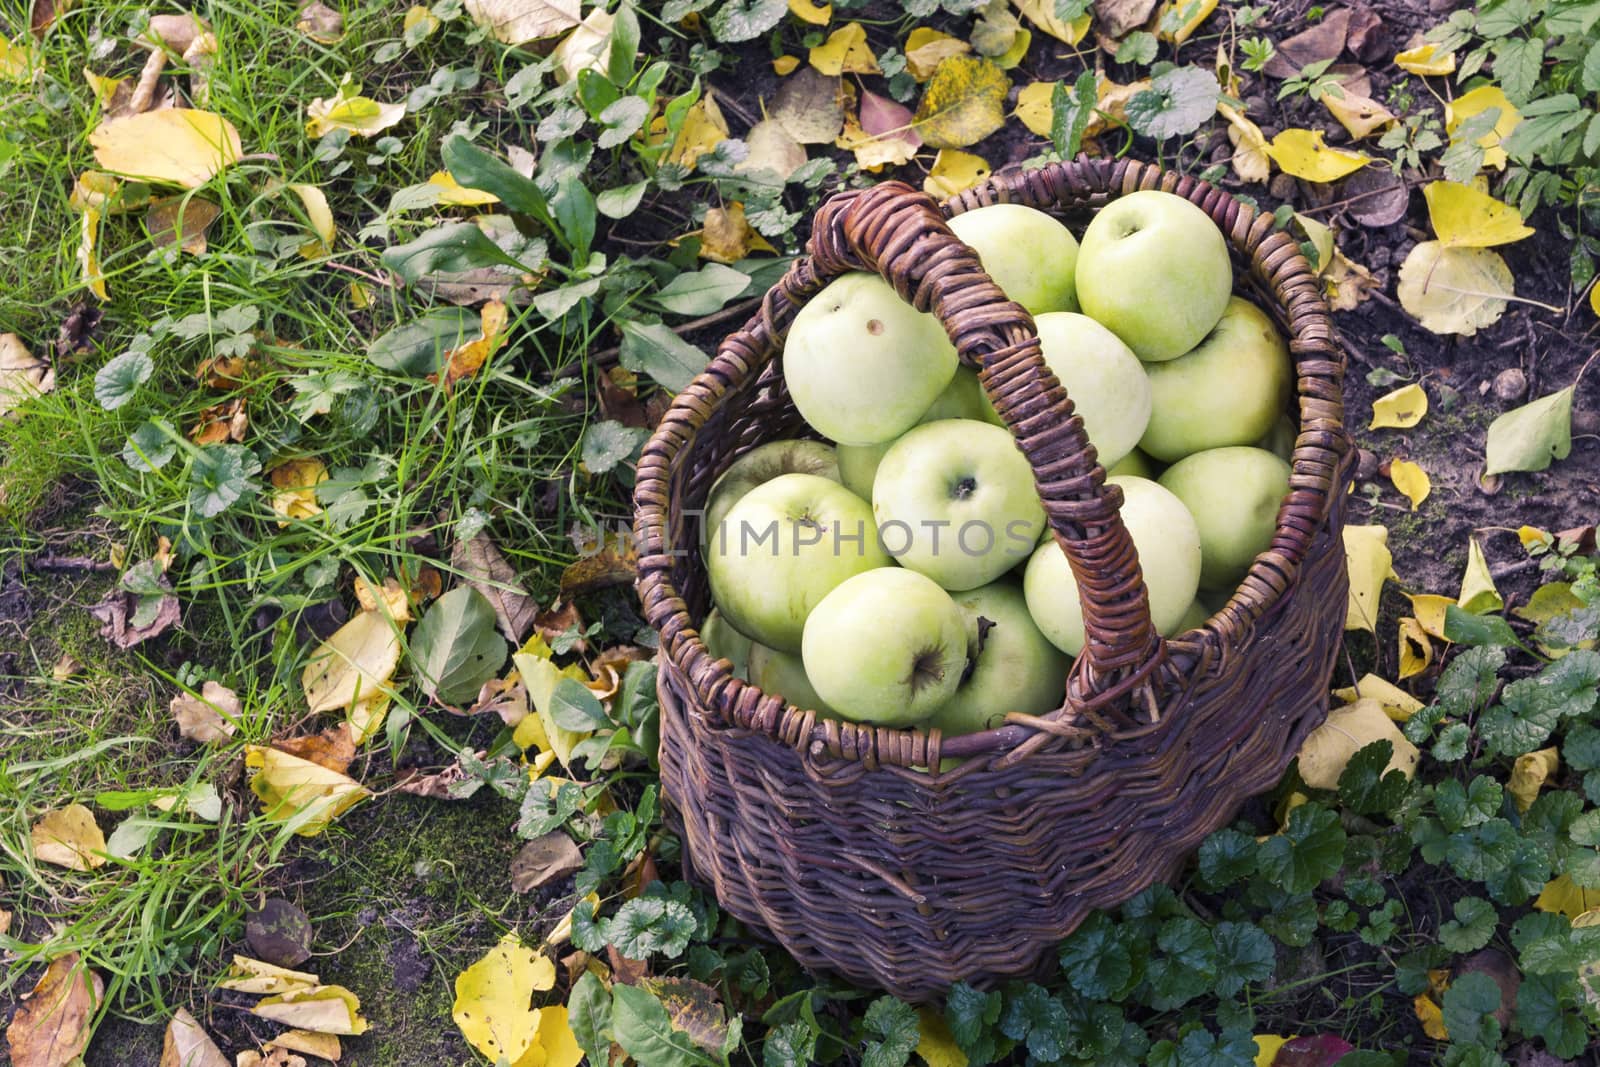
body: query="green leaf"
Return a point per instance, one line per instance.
(646, 926)
(971, 1012)
(1590, 77)
(1468, 683)
(1226, 857)
(1469, 1006)
(477, 169)
(1038, 1020)
(1530, 708)
(575, 707)
(1186, 966)
(892, 1026)
(622, 201)
(574, 210)
(1465, 628)
(790, 1045)
(117, 381)
(1548, 1008)
(1095, 959)
(149, 447)
(1581, 749)
(651, 348)
(623, 48)
(1070, 113)
(1364, 788)
(703, 291)
(1138, 48)
(1177, 103)
(418, 347)
(1453, 742)
(1310, 849)
(554, 303)
(220, 475)
(608, 443)
(449, 249)
(1516, 65)
(1529, 437)
(1473, 926)
(622, 120)
(457, 646)
(1461, 806)
(745, 20)
(589, 1016)
(641, 1025)
(1244, 954)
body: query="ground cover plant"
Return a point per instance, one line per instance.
(329, 334)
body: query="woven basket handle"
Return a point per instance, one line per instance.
(899, 233)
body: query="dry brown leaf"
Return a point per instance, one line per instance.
(52, 1025)
(226, 421)
(333, 748)
(506, 697)
(188, 1045)
(436, 785)
(126, 620)
(1116, 18)
(45, 12)
(69, 837)
(562, 617)
(809, 107)
(323, 1046)
(517, 22)
(22, 375)
(1324, 40)
(727, 237)
(209, 716)
(181, 221)
(613, 564)
(486, 570)
(65, 667)
(321, 23)
(544, 860)
(1349, 284)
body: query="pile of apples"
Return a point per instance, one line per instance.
(905, 574)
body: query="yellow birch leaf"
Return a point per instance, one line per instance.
(319, 215)
(323, 1009)
(517, 22)
(296, 483)
(1112, 104)
(1478, 594)
(175, 146)
(1427, 1009)
(88, 253)
(453, 194)
(554, 1043)
(1304, 154)
(1360, 115)
(845, 52)
(295, 790)
(467, 359)
(95, 189)
(1416, 649)
(356, 661)
(1347, 731)
(1348, 283)
(493, 998)
(1588, 918)
(69, 837)
(562, 931)
(420, 24)
(18, 62)
(261, 978)
(1565, 896)
(1429, 608)
(1042, 13)
(1034, 108)
(325, 1046)
(703, 127)
(348, 110)
(1018, 51)
(52, 1024)
(1426, 59)
(727, 236)
(808, 11)
(389, 597)
(187, 1044)
(1454, 290)
(1267, 1046)
(1465, 217)
(1399, 410)
(366, 716)
(1477, 102)
(540, 676)
(1528, 775)
(1370, 564)
(785, 65)
(935, 1043)
(927, 48)
(103, 88)
(1398, 704)
(1196, 10)
(953, 172)
(1250, 160)
(1411, 480)
(963, 103)
(1532, 536)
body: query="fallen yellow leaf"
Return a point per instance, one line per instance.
(1034, 108)
(1528, 775)
(23, 376)
(1359, 114)
(493, 996)
(1370, 564)
(356, 661)
(419, 24)
(1399, 410)
(175, 146)
(1416, 650)
(1428, 1013)
(517, 22)
(1304, 154)
(1398, 704)
(181, 220)
(325, 1046)
(324, 1009)
(1250, 160)
(703, 128)
(1267, 1046)
(389, 597)
(1465, 217)
(808, 11)
(1042, 13)
(845, 52)
(1532, 536)
(348, 110)
(541, 730)
(1346, 731)
(188, 1045)
(1411, 480)
(1426, 59)
(927, 48)
(1193, 12)
(954, 172)
(585, 48)
(453, 194)
(1454, 290)
(320, 217)
(88, 252)
(69, 837)
(785, 65)
(1014, 55)
(1478, 593)
(963, 103)
(52, 1025)
(1566, 897)
(296, 483)
(554, 1043)
(935, 1043)
(726, 236)
(1429, 608)
(259, 978)
(18, 62)
(1477, 102)
(297, 790)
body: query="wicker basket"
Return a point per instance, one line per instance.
(834, 838)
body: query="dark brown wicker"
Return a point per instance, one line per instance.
(833, 837)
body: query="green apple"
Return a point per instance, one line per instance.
(955, 500)
(1192, 619)
(1012, 667)
(963, 398)
(1154, 269)
(1105, 380)
(1168, 542)
(724, 642)
(858, 466)
(1281, 438)
(1135, 464)
(1228, 391)
(762, 464)
(1233, 494)
(782, 548)
(861, 364)
(784, 674)
(888, 647)
(1030, 255)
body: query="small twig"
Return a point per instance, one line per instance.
(607, 356)
(69, 563)
(388, 283)
(1506, 570)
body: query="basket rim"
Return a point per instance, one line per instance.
(1318, 467)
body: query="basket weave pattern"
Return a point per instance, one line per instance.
(832, 836)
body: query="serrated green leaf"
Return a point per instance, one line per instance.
(1529, 437)
(1227, 856)
(457, 646)
(1364, 788)
(608, 443)
(745, 20)
(220, 475)
(149, 447)
(1070, 113)
(1310, 849)
(1473, 926)
(1516, 65)
(1244, 954)
(1095, 960)
(116, 383)
(1548, 1007)
(1177, 103)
